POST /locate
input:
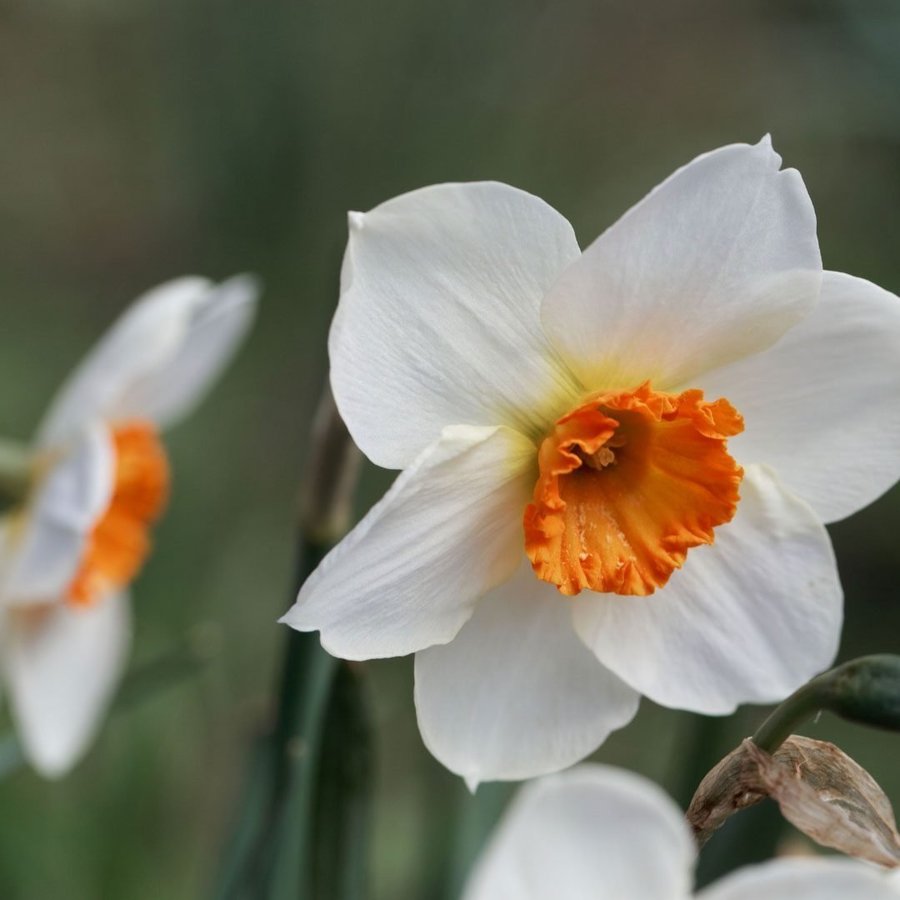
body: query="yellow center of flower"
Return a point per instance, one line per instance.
(118, 544)
(629, 482)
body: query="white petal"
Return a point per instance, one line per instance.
(439, 317)
(747, 620)
(62, 665)
(409, 574)
(144, 338)
(515, 694)
(46, 541)
(216, 329)
(594, 833)
(713, 265)
(822, 407)
(804, 879)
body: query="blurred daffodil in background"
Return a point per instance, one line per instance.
(80, 504)
(600, 833)
(616, 463)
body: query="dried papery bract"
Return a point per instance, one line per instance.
(819, 789)
(731, 785)
(832, 799)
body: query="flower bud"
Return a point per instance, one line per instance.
(866, 690)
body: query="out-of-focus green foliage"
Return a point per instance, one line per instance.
(142, 140)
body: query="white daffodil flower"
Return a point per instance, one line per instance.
(616, 463)
(600, 833)
(99, 481)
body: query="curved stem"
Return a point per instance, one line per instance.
(865, 690)
(800, 706)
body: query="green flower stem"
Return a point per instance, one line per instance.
(283, 867)
(803, 704)
(301, 833)
(864, 690)
(344, 796)
(269, 850)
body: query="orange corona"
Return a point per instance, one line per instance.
(629, 482)
(119, 542)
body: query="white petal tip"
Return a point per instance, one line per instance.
(471, 783)
(293, 620)
(246, 285)
(52, 769)
(289, 619)
(355, 220)
(765, 144)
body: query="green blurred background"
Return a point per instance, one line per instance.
(143, 139)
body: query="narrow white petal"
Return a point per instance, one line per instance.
(594, 833)
(747, 620)
(439, 317)
(144, 338)
(713, 265)
(804, 879)
(409, 574)
(62, 665)
(46, 541)
(216, 328)
(515, 694)
(822, 407)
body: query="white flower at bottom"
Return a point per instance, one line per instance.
(100, 480)
(600, 833)
(616, 463)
